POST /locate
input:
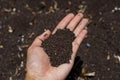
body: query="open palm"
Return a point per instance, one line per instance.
(38, 63)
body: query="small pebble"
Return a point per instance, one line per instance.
(69, 2)
(10, 78)
(19, 47)
(1, 46)
(30, 23)
(90, 74)
(80, 78)
(115, 8)
(113, 11)
(22, 55)
(22, 64)
(7, 10)
(117, 57)
(19, 55)
(22, 38)
(19, 68)
(108, 69)
(108, 57)
(100, 13)
(119, 9)
(88, 45)
(10, 30)
(14, 9)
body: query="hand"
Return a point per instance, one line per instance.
(38, 63)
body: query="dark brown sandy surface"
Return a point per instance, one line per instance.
(22, 20)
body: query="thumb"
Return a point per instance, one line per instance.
(38, 40)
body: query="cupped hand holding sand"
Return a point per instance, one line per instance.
(38, 63)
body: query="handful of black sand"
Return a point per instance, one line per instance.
(59, 46)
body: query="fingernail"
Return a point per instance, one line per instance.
(71, 61)
(80, 14)
(45, 34)
(71, 14)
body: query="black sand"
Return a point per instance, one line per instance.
(59, 47)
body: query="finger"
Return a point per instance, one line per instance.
(81, 26)
(64, 22)
(75, 21)
(42, 37)
(76, 43)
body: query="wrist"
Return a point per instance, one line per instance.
(28, 77)
(31, 77)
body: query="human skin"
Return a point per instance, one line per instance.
(38, 63)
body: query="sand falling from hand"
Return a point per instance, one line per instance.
(59, 46)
